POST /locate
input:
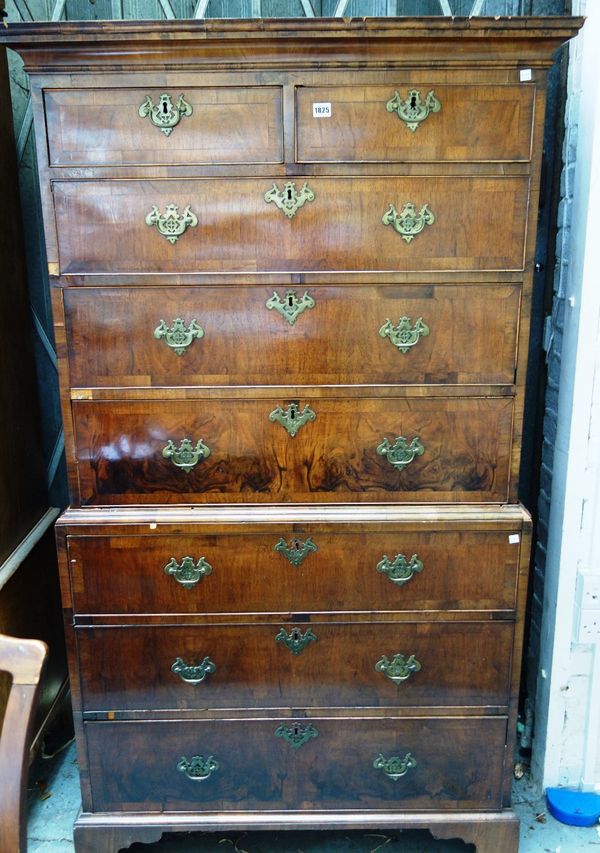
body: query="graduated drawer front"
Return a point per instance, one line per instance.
(480, 225)
(470, 570)
(471, 335)
(473, 123)
(120, 449)
(130, 668)
(459, 764)
(102, 127)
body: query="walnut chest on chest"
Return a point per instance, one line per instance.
(291, 267)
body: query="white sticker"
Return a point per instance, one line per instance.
(525, 75)
(514, 539)
(322, 110)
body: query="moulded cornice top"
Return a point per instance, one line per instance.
(300, 42)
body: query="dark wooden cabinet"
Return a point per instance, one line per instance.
(292, 267)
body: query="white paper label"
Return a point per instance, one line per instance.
(525, 75)
(514, 539)
(322, 110)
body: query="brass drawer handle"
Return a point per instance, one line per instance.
(193, 674)
(290, 307)
(165, 115)
(408, 223)
(400, 453)
(399, 668)
(186, 456)
(179, 336)
(289, 200)
(295, 641)
(171, 224)
(296, 735)
(413, 109)
(198, 768)
(404, 336)
(399, 570)
(394, 766)
(296, 551)
(188, 573)
(292, 418)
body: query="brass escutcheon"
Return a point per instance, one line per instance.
(295, 641)
(296, 551)
(290, 307)
(292, 418)
(413, 109)
(296, 734)
(165, 115)
(289, 200)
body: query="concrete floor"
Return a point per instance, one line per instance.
(54, 801)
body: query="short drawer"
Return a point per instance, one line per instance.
(405, 123)
(254, 450)
(300, 568)
(295, 664)
(104, 127)
(447, 764)
(226, 225)
(181, 336)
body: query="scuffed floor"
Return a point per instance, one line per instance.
(54, 801)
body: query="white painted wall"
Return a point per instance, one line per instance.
(566, 747)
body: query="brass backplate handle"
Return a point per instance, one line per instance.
(290, 307)
(172, 224)
(394, 766)
(187, 572)
(291, 419)
(179, 336)
(399, 570)
(295, 641)
(413, 109)
(408, 223)
(198, 768)
(186, 456)
(296, 551)
(399, 668)
(400, 453)
(296, 734)
(404, 335)
(165, 114)
(289, 200)
(193, 674)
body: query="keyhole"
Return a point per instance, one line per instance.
(296, 729)
(165, 108)
(290, 301)
(292, 414)
(413, 101)
(296, 634)
(296, 544)
(289, 194)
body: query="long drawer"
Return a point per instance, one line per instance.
(160, 336)
(103, 127)
(249, 764)
(102, 226)
(295, 664)
(296, 568)
(373, 123)
(228, 450)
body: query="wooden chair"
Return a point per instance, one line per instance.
(24, 661)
